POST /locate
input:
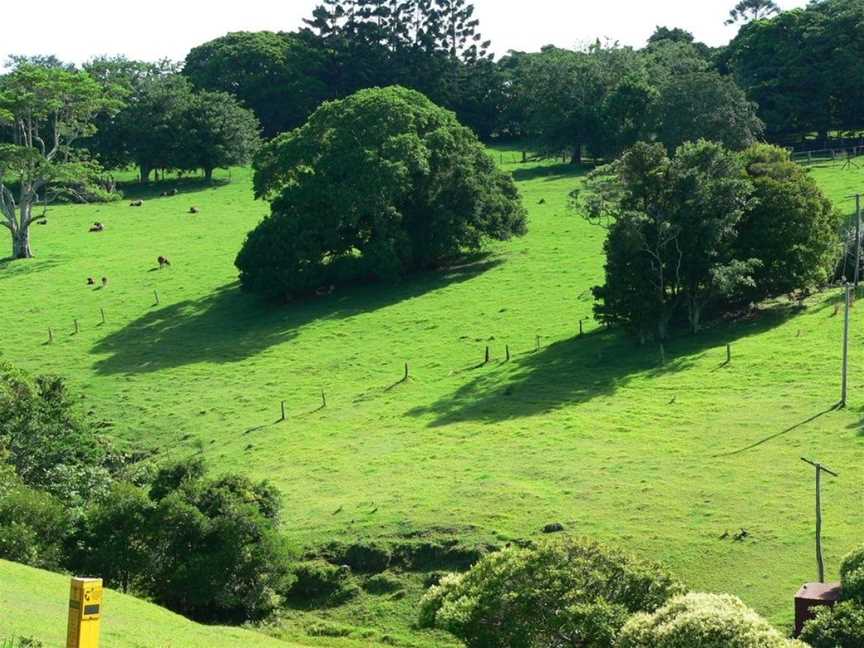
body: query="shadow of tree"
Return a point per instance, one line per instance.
(11, 268)
(550, 172)
(580, 369)
(230, 325)
(133, 190)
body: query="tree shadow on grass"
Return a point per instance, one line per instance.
(582, 368)
(133, 190)
(550, 172)
(230, 325)
(12, 268)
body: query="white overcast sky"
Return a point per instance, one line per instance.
(76, 30)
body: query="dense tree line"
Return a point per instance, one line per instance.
(803, 68)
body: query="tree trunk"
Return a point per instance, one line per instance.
(145, 173)
(577, 155)
(208, 174)
(21, 243)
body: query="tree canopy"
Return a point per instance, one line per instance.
(44, 110)
(279, 76)
(378, 185)
(690, 230)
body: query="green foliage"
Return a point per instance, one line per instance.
(702, 621)
(375, 186)
(47, 443)
(216, 132)
(596, 98)
(672, 226)
(841, 626)
(321, 582)
(852, 575)
(113, 539)
(44, 110)
(704, 105)
(33, 526)
(570, 592)
(790, 226)
(704, 229)
(235, 63)
(216, 553)
(801, 67)
(747, 10)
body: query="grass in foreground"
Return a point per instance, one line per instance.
(588, 431)
(34, 603)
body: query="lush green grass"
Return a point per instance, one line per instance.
(35, 604)
(590, 431)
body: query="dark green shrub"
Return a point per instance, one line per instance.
(113, 538)
(437, 194)
(50, 446)
(318, 580)
(839, 627)
(702, 621)
(33, 527)
(559, 593)
(852, 575)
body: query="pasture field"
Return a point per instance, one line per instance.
(591, 431)
(34, 603)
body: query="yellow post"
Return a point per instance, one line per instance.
(85, 612)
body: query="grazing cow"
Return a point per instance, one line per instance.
(104, 281)
(163, 261)
(174, 192)
(91, 281)
(97, 227)
(193, 210)
(136, 203)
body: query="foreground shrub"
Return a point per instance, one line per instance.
(577, 593)
(33, 526)
(375, 186)
(49, 446)
(852, 575)
(842, 625)
(702, 621)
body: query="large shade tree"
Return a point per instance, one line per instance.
(44, 110)
(374, 186)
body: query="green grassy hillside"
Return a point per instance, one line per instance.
(588, 431)
(34, 603)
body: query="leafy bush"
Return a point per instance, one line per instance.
(319, 580)
(575, 592)
(33, 526)
(436, 194)
(216, 555)
(113, 538)
(852, 575)
(47, 443)
(842, 625)
(702, 621)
